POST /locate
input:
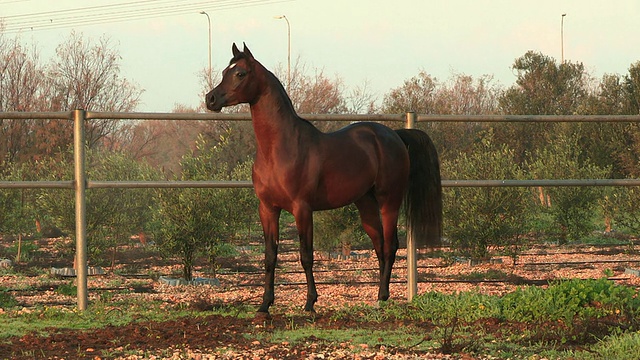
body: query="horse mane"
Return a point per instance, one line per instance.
(273, 78)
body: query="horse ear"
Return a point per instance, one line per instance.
(234, 50)
(247, 52)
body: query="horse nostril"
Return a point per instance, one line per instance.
(210, 100)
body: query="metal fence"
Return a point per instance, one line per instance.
(80, 183)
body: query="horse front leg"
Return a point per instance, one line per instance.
(304, 223)
(269, 217)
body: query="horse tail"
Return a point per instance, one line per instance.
(423, 199)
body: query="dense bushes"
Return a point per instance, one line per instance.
(185, 223)
(477, 218)
(576, 311)
(480, 218)
(113, 215)
(572, 208)
(199, 222)
(190, 223)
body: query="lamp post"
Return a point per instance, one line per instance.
(209, 22)
(288, 49)
(562, 37)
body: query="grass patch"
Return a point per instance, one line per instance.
(356, 339)
(490, 274)
(580, 319)
(566, 314)
(104, 312)
(620, 347)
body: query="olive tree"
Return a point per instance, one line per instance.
(113, 215)
(572, 209)
(479, 218)
(198, 222)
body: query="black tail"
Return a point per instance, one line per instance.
(423, 200)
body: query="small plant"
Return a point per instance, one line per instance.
(67, 289)
(24, 251)
(607, 272)
(7, 301)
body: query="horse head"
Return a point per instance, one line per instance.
(237, 85)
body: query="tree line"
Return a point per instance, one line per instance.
(85, 73)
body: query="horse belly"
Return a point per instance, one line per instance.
(340, 186)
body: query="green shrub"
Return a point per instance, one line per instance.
(444, 309)
(479, 218)
(113, 215)
(571, 208)
(67, 289)
(16, 217)
(622, 204)
(567, 299)
(564, 300)
(26, 248)
(7, 301)
(339, 229)
(194, 222)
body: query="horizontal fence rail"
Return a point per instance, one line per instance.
(248, 184)
(81, 183)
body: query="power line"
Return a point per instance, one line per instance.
(128, 11)
(88, 8)
(121, 11)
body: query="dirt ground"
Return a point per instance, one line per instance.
(340, 282)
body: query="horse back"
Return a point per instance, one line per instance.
(330, 170)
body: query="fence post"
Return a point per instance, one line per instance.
(80, 185)
(412, 264)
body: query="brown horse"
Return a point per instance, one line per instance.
(301, 169)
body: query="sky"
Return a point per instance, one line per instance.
(382, 43)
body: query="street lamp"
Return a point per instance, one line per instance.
(209, 22)
(562, 37)
(288, 49)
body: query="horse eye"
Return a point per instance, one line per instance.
(241, 74)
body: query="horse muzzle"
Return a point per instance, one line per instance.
(215, 102)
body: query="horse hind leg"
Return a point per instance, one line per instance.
(390, 246)
(372, 224)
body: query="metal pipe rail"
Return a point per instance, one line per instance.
(248, 184)
(529, 118)
(324, 117)
(80, 183)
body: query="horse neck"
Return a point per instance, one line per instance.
(275, 122)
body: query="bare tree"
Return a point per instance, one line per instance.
(21, 79)
(464, 95)
(87, 76)
(314, 93)
(83, 75)
(360, 100)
